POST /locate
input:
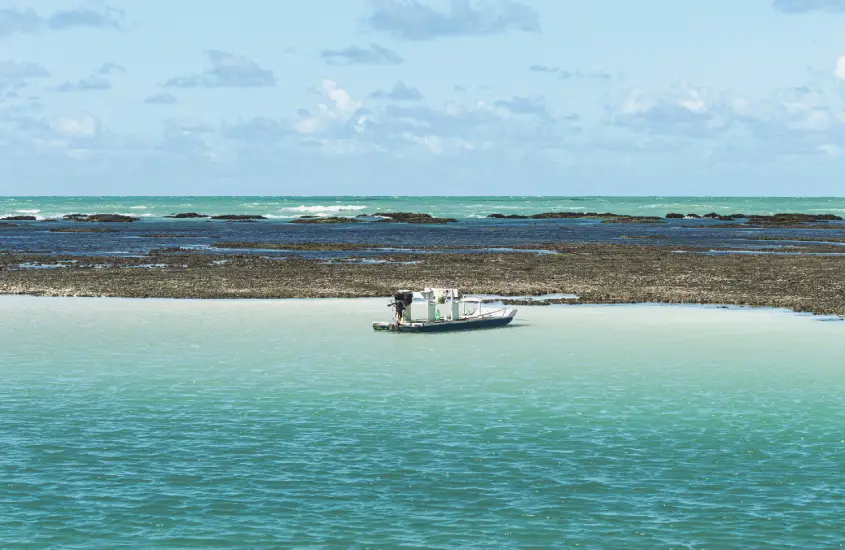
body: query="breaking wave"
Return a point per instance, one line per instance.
(319, 208)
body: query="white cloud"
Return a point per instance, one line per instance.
(688, 110)
(227, 70)
(82, 125)
(840, 68)
(338, 110)
(342, 123)
(793, 121)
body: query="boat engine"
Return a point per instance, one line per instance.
(402, 300)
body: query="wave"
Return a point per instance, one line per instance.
(31, 211)
(319, 208)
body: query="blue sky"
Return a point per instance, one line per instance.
(556, 97)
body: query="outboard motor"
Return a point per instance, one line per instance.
(401, 300)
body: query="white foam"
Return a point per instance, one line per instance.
(138, 207)
(32, 211)
(320, 208)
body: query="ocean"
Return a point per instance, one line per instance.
(286, 208)
(281, 424)
(154, 231)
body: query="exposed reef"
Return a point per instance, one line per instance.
(597, 273)
(100, 218)
(325, 220)
(756, 220)
(606, 217)
(187, 215)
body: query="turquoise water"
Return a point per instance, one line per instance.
(184, 424)
(457, 207)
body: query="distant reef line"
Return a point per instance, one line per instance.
(741, 220)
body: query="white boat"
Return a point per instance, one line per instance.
(442, 310)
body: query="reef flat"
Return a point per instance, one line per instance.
(808, 281)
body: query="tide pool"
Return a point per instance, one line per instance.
(198, 424)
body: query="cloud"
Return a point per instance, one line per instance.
(414, 20)
(400, 92)
(839, 72)
(689, 111)
(21, 70)
(808, 6)
(60, 134)
(354, 55)
(259, 131)
(526, 106)
(16, 76)
(99, 80)
(28, 21)
(109, 68)
(190, 137)
(337, 112)
(564, 74)
(227, 71)
(795, 121)
(85, 84)
(82, 125)
(163, 98)
(341, 124)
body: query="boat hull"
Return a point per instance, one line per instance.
(446, 326)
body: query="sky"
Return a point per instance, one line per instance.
(422, 97)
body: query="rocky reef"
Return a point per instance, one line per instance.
(792, 219)
(19, 218)
(784, 220)
(100, 218)
(606, 217)
(187, 216)
(552, 216)
(597, 273)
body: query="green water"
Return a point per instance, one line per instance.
(456, 207)
(183, 424)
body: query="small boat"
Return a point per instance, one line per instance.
(441, 310)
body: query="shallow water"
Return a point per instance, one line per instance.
(174, 424)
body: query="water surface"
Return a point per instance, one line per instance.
(177, 424)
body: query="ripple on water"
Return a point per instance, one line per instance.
(165, 425)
